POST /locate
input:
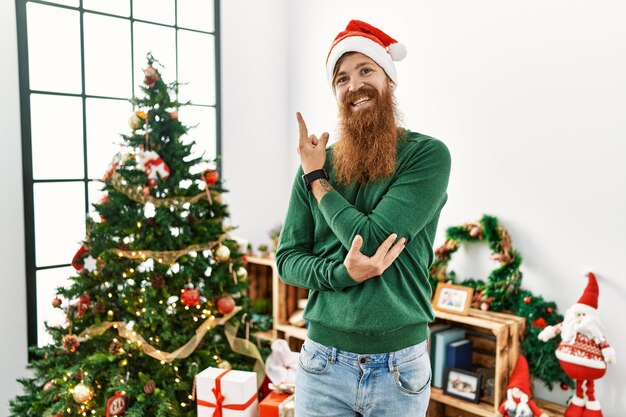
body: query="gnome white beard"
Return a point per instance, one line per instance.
(523, 410)
(587, 325)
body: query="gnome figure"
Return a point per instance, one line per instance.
(518, 402)
(583, 352)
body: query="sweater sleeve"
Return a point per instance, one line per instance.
(414, 197)
(294, 258)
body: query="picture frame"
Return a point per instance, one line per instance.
(453, 298)
(462, 384)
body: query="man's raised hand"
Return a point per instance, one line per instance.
(312, 150)
(361, 267)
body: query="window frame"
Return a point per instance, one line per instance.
(25, 108)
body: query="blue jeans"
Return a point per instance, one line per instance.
(332, 382)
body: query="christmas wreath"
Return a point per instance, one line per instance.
(501, 282)
(502, 291)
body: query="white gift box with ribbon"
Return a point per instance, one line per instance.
(226, 393)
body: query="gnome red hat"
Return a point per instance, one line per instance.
(368, 40)
(588, 302)
(520, 377)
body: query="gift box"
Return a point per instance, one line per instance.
(269, 406)
(226, 393)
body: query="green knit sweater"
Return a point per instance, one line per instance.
(385, 313)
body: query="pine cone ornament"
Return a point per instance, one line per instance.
(149, 388)
(115, 347)
(70, 343)
(158, 282)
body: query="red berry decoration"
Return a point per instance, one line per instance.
(56, 302)
(549, 310)
(540, 323)
(190, 297)
(225, 304)
(527, 299)
(211, 176)
(564, 386)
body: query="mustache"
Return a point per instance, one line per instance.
(365, 91)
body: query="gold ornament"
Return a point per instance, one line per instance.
(82, 393)
(224, 364)
(222, 253)
(242, 273)
(135, 122)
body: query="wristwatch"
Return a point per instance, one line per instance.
(312, 176)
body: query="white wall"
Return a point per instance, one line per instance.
(255, 131)
(13, 353)
(530, 97)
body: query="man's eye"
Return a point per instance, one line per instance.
(366, 70)
(341, 80)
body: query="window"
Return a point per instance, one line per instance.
(80, 61)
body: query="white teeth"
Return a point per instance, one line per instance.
(359, 101)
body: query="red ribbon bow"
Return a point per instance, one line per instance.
(219, 399)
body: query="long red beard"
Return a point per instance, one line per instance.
(366, 149)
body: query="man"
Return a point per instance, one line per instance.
(359, 235)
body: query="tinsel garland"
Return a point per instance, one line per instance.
(502, 292)
(136, 194)
(237, 344)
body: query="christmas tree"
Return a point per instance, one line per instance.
(159, 293)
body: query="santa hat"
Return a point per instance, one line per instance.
(368, 40)
(588, 302)
(520, 377)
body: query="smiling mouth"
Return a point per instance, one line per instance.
(360, 101)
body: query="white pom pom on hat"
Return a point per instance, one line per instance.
(368, 40)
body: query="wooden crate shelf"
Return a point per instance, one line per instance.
(284, 299)
(438, 399)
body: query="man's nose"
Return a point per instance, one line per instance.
(355, 85)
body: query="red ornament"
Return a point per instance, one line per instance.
(150, 76)
(549, 310)
(116, 405)
(81, 305)
(190, 297)
(225, 304)
(174, 115)
(564, 386)
(152, 182)
(527, 299)
(211, 176)
(540, 323)
(145, 191)
(56, 302)
(79, 254)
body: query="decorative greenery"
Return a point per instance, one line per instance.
(163, 299)
(502, 292)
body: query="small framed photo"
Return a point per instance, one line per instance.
(462, 384)
(453, 298)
